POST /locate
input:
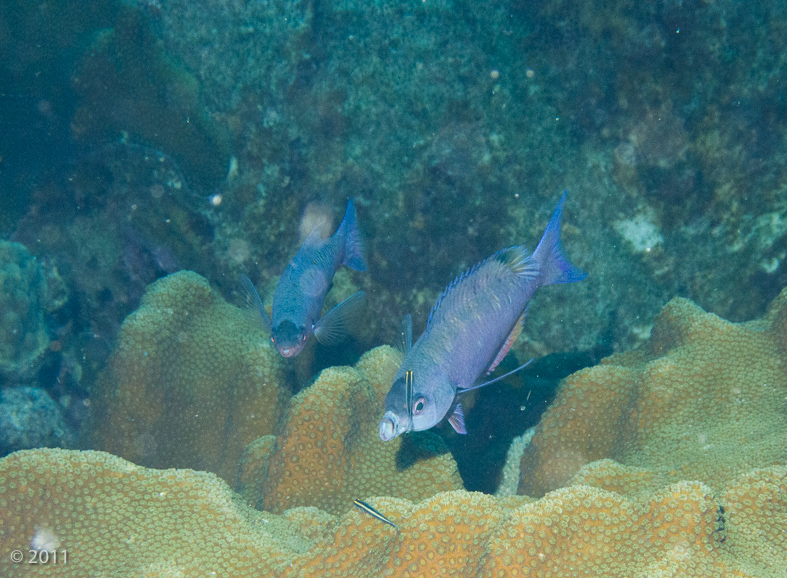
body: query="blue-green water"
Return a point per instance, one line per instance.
(146, 137)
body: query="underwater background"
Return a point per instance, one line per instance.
(154, 151)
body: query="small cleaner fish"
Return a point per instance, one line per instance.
(471, 327)
(364, 507)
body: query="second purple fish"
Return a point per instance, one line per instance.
(299, 295)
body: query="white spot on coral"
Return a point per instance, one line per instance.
(641, 332)
(44, 539)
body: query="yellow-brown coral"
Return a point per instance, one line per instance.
(112, 518)
(191, 382)
(328, 451)
(704, 400)
(584, 531)
(707, 514)
(756, 518)
(117, 519)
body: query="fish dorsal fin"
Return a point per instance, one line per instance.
(512, 337)
(517, 259)
(520, 261)
(405, 341)
(337, 323)
(252, 301)
(457, 419)
(459, 278)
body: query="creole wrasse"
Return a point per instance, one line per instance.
(299, 295)
(470, 329)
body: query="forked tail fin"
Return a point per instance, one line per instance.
(554, 266)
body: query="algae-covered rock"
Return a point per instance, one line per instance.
(29, 418)
(125, 82)
(28, 291)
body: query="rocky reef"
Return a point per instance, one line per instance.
(32, 294)
(29, 292)
(30, 418)
(455, 126)
(665, 460)
(142, 138)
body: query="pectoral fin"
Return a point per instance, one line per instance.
(253, 303)
(457, 419)
(405, 341)
(512, 337)
(336, 324)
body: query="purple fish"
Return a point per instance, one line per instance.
(470, 329)
(299, 296)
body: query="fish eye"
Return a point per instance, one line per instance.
(418, 406)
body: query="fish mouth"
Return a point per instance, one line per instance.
(389, 426)
(288, 351)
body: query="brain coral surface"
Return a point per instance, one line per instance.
(112, 518)
(704, 400)
(667, 461)
(192, 381)
(328, 450)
